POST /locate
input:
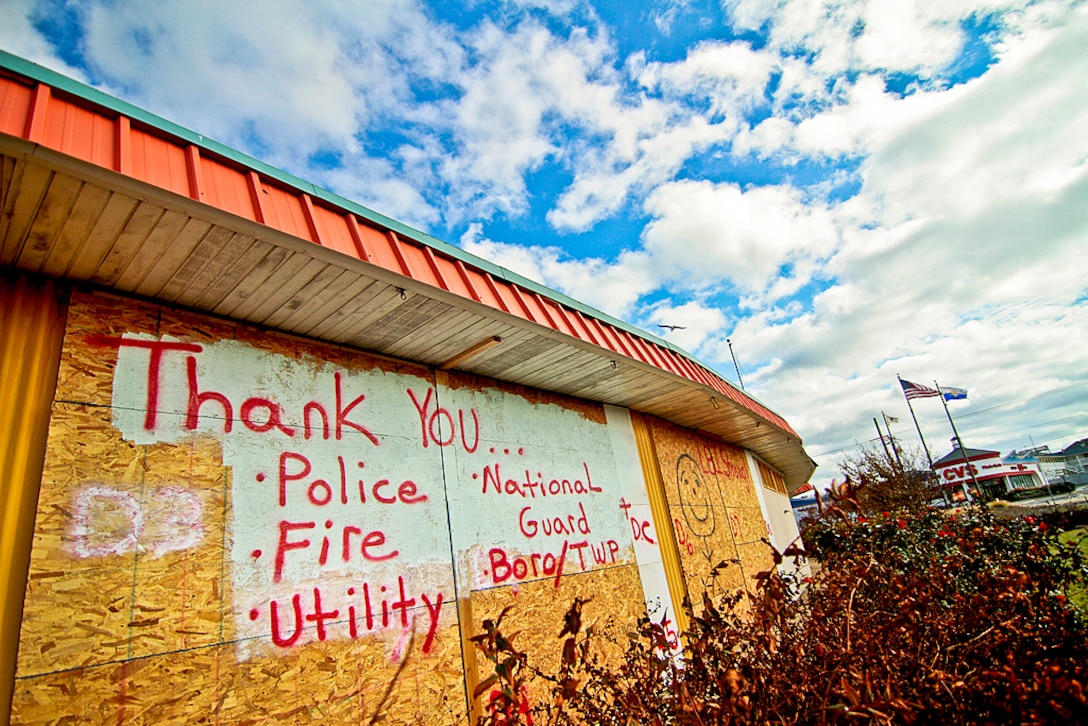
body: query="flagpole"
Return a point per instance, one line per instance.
(959, 443)
(916, 426)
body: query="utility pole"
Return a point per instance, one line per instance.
(891, 439)
(882, 442)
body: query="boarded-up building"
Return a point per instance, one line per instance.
(264, 449)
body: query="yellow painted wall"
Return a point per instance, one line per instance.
(31, 331)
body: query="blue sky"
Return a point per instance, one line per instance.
(845, 190)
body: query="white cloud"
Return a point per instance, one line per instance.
(213, 65)
(912, 36)
(855, 120)
(665, 14)
(603, 182)
(702, 233)
(19, 37)
(867, 116)
(731, 77)
(518, 89)
(823, 28)
(558, 8)
(1015, 133)
(698, 322)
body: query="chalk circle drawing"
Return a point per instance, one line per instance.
(695, 497)
(109, 521)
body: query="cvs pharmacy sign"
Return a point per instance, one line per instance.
(954, 474)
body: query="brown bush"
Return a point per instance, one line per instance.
(927, 618)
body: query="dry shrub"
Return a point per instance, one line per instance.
(936, 618)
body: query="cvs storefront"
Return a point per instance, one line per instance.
(995, 476)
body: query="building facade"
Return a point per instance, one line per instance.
(271, 455)
(1076, 457)
(1053, 465)
(992, 475)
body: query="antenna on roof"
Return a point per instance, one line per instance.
(736, 365)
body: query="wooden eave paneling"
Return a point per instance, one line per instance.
(95, 191)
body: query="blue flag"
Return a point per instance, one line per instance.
(953, 394)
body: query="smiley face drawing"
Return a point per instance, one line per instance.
(694, 496)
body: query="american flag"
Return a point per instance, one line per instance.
(914, 390)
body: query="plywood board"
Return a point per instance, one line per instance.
(239, 525)
(612, 609)
(136, 611)
(714, 509)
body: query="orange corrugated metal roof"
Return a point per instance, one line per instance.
(53, 111)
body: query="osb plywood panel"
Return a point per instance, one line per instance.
(755, 557)
(614, 604)
(708, 555)
(131, 612)
(86, 370)
(714, 509)
(94, 595)
(747, 524)
(318, 683)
